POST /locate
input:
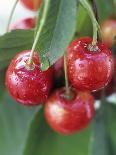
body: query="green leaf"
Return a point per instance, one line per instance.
(81, 16)
(110, 115)
(105, 8)
(56, 28)
(4, 63)
(100, 138)
(2, 83)
(43, 141)
(14, 123)
(13, 42)
(84, 25)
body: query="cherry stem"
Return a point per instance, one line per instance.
(66, 76)
(86, 5)
(11, 15)
(94, 6)
(42, 21)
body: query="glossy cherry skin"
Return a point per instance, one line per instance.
(87, 69)
(108, 28)
(69, 116)
(108, 90)
(31, 4)
(28, 86)
(25, 24)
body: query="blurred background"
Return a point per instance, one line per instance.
(5, 10)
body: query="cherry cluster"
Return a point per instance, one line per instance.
(89, 68)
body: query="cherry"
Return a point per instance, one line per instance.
(108, 28)
(89, 67)
(67, 116)
(28, 86)
(108, 90)
(31, 4)
(25, 24)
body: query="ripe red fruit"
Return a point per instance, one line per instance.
(108, 28)
(28, 86)
(89, 68)
(25, 24)
(31, 4)
(68, 116)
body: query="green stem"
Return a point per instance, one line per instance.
(94, 34)
(94, 6)
(11, 15)
(66, 76)
(86, 5)
(42, 21)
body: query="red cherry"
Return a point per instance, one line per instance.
(108, 28)
(31, 4)
(89, 68)
(69, 116)
(25, 24)
(29, 87)
(109, 89)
